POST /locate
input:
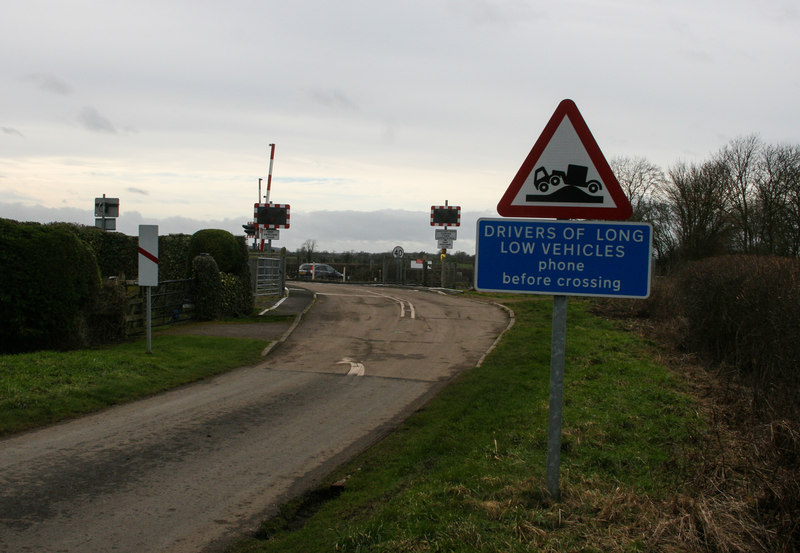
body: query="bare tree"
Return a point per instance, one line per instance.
(307, 249)
(777, 188)
(778, 194)
(739, 161)
(665, 233)
(643, 182)
(645, 185)
(698, 203)
(792, 214)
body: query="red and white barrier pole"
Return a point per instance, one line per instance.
(269, 176)
(269, 184)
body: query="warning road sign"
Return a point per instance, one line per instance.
(565, 175)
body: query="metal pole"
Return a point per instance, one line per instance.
(269, 188)
(149, 325)
(443, 255)
(255, 236)
(557, 353)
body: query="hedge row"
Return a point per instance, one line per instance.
(49, 285)
(222, 285)
(222, 246)
(51, 296)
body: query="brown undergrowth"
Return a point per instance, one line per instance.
(744, 491)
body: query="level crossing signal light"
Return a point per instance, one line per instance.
(249, 229)
(271, 216)
(445, 215)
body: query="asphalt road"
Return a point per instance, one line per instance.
(192, 469)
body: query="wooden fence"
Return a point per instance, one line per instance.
(170, 302)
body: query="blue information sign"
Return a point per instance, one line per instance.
(570, 258)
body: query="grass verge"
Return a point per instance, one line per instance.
(45, 387)
(466, 473)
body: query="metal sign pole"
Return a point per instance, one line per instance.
(103, 207)
(557, 349)
(149, 321)
(573, 158)
(148, 271)
(269, 188)
(443, 255)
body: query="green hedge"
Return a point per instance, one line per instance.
(48, 284)
(172, 257)
(222, 246)
(230, 254)
(115, 253)
(107, 322)
(207, 289)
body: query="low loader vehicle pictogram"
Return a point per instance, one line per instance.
(575, 176)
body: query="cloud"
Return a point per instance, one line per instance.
(485, 13)
(134, 190)
(50, 83)
(11, 131)
(35, 213)
(334, 231)
(333, 99)
(375, 231)
(94, 121)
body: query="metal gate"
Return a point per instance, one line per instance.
(394, 270)
(268, 276)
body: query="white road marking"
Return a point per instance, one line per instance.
(351, 295)
(279, 302)
(356, 369)
(412, 312)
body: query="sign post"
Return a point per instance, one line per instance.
(558, 346)
(398, 254)
(563, 258)
(444, 216)
(268, 217)
(148, 270)
(106, 211)
(565, 176)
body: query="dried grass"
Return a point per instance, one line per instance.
(745, 493)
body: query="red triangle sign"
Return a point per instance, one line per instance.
(565, 176)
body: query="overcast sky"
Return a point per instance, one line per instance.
(378, 109)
